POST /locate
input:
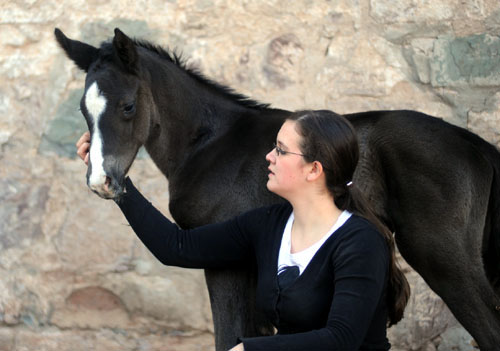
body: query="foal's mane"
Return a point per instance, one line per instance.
(195, 73)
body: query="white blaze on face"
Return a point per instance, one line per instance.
(96, 105)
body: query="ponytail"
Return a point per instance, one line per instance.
(398, 289)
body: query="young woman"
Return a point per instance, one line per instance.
(327, 275)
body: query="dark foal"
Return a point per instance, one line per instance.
(437, 186)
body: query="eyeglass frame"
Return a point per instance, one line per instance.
(281, 152)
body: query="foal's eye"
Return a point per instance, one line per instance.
(129, 109)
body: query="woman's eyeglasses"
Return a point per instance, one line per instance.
(280, 151)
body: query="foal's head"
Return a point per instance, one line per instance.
(116, 105)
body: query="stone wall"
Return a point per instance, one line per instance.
(72, 274)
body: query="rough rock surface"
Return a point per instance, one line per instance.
(72, 274)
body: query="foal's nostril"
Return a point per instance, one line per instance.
(107, 182)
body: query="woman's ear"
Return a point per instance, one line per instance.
(316, 171)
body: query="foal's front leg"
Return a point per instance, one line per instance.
(232, 298)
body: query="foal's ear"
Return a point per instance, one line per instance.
(82, 54)
(125, 51)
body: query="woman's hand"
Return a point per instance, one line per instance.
(83, 147)
(238, 347)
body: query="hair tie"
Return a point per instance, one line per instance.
(349, 183)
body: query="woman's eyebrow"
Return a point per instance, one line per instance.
(280, 144)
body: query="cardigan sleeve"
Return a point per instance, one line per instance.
(360, 267)
(219, 245)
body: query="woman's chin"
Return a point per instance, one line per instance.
(270, 185)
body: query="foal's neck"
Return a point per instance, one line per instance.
(191, 114)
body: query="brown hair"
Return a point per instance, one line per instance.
(331, 139)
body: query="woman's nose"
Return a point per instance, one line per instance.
(270, 157)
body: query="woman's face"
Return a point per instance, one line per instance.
(287, 172)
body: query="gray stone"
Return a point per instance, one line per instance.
(492, 23)
(94, 32)
(4, 136)
(22, 12)
(485, 122)
(283, 55)
(4, 103)
(53, 339)
(65, 129)
(158, 297)
(400, 20)
(87, 225)
(418, 54)
(410, 11)
(472, 61)
(455, 339)
(22, 212)
(12, 36)
(425, 318)
(6, 339)
(456, 62)
(91, 307)
(463, 69)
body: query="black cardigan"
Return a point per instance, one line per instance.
(337, 303)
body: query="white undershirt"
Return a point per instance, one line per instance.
(302, 258)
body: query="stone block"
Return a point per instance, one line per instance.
(284, 54)
(178, 297)
(456, 339)
(65, 128)
(7, 339)
(91, 308)
(426, 317)
(97, 31)
(411, 11)
(486, 122)
(23, 208)
(469, 61)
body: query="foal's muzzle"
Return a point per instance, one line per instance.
(105, 186)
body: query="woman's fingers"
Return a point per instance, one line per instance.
(83, 152)
(85, 138)
(83, 146)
